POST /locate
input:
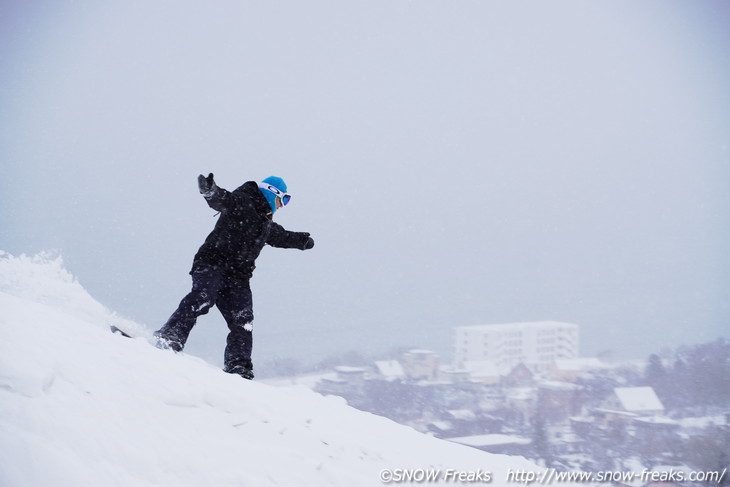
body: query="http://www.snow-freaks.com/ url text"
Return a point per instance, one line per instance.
(547, 476)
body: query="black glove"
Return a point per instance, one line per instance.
(309, 244)
(206, 185)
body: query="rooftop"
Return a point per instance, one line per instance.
(578, 364)
(638, 399)
(390, 368)
(530, 325)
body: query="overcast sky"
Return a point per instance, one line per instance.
(457, 163)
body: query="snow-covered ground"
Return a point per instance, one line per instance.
(80, 406)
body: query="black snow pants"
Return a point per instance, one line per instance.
(233, 299)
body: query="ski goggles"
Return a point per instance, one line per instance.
(285, 197)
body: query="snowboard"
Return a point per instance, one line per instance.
(116, 330)
(127, 334)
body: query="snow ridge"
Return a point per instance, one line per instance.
(43, 279)
(80, 406)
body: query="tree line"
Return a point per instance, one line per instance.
(696, 376)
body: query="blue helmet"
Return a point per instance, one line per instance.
(272, 187)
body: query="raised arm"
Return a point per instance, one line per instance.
(217, 198)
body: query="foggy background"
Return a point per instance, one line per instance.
(457, 163)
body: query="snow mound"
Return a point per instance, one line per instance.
(43, 279)
(80, 406)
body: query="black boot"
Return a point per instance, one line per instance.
(245, 371)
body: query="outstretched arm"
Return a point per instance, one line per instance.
(279, 237)
(217, 198)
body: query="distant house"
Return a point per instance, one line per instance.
(628, 403)
(641, 401)
(484, 371)
(389, 370)
(421, 365)
(519, 376)
(520, 395)
(568, 370)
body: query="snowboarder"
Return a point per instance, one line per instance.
(225, 263)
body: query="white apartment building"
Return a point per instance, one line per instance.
(536, 344)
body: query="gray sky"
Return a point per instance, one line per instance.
(457, 163)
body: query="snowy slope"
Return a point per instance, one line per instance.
(80, 406)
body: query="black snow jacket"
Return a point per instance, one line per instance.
(244, 227)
